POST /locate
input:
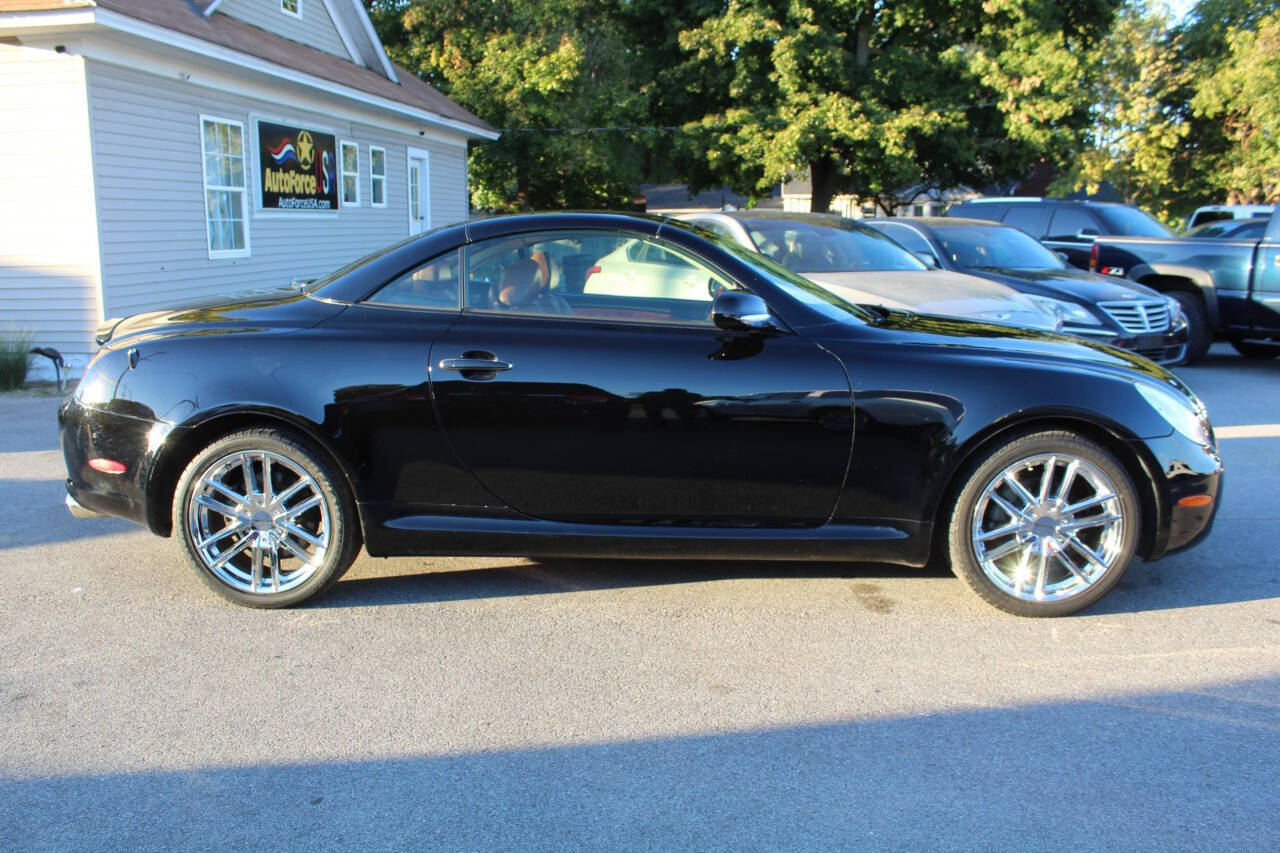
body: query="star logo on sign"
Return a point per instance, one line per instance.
(306, 150)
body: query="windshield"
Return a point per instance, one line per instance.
(813, 295)
(842, 246)
(1132, 222)
(992, 247)
(313, 286)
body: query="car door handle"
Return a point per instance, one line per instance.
(465, 363)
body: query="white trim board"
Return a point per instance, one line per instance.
(115, 52)
(140, 29)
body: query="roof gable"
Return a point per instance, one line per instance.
(269, 49)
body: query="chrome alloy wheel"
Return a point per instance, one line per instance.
(1048, 527)
(259, 522)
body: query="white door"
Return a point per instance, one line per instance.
(419, 191)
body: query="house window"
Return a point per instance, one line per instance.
(350, 174)
(291, 7)
(377, 176)
(225, 203)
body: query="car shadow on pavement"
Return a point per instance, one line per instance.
(1186, 769)
(33, 512)
(1145, 587)
(574, 575)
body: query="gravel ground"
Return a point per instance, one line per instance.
(469, 703)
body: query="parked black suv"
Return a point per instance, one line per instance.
(1064, 226)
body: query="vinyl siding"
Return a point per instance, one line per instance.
(48, 244)
(315, 28)
(149, 182)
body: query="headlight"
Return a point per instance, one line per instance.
(1176, 316)
(1070, 312)
(1186, 414)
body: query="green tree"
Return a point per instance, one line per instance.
(1244, 95)
(543, 71)
(1138, 130)
(872, 97)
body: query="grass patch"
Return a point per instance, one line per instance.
(15, 357)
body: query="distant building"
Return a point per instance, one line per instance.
(797, 196)
(156, 151)
(674, 199)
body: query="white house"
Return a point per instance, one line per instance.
(156, 151)
(925, 201)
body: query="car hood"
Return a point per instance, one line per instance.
(1005, 343)
(1086, 286)
(254, 309)
(938, 292)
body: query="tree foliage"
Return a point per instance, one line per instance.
(882, 99)
(1138, 132)
(1244, 95)
(886, 99)
(540, 70)
(1184, 114)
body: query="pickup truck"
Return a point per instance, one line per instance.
(1229, 289)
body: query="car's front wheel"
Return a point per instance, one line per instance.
(1199, 335)
(265, 519)
(1044, 524)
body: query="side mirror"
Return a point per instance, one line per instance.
(1062, 256)
(929, 259)
(739, 311)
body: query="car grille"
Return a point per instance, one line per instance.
(1139, 317)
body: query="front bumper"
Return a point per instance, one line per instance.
(1168, 347)
(1180, 468)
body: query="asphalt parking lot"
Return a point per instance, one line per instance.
(469, 703)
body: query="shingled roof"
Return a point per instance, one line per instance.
(232, 33)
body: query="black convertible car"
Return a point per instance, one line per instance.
(598, 384)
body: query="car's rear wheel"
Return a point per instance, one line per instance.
(1256, 349)
(1199, 335)
(265, 519)
(1044, 524)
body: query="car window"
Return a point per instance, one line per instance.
(432, 285)
(1210, 216)
(907, 237)
(994, 212)
(1212, 229)
(843, 246)
(644, 252)
(1028, 217)
(1069, 222)
(718, 228)
(1131, 221)
(594, 274)
(994, 247)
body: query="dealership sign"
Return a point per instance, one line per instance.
(297, 166)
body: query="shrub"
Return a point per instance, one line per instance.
(15, 357)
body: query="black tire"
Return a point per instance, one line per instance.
(1199, 335)
(343, 525)
(960, 546)
(1256, 349)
